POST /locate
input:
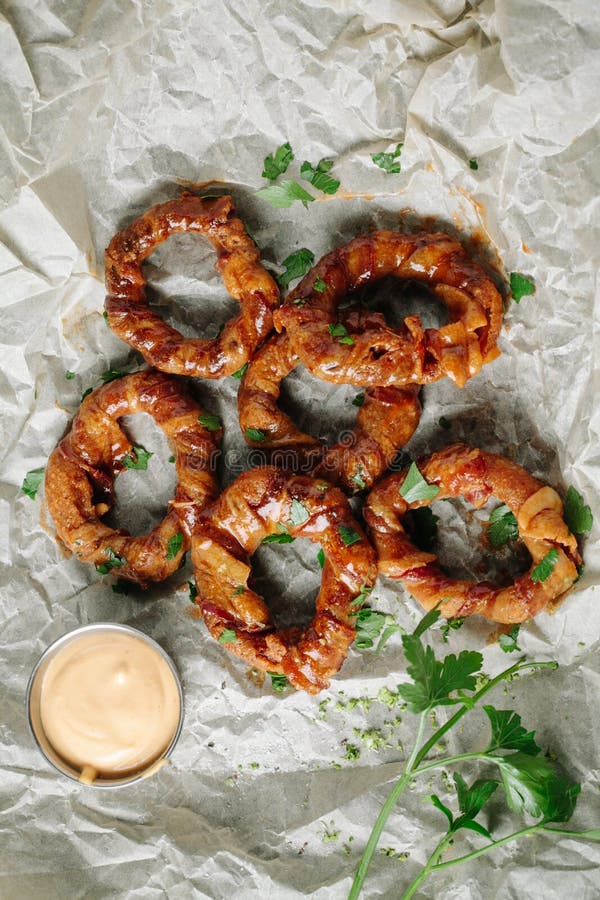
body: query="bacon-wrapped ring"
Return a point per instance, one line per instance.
(266, 501)
(81, 472)
(238, 261)
(384, 355)
(385, 423)
(459, 470)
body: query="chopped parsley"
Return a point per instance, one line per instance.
(577, 515)
(228, 636)
(283, 195)
(239, 373)
(278, 682)
(349, 535)
(174, 545)
(299, 514)
(113, 562)
(296, 265)
(358, 478)
(321, 558)
(275, 164)
(414, 487)
(451, 625)
(508, 641)
(69, 375)
(358, 400)
(193, 591)
(111, 374)
(255, 434)
(32, 481)
(319, 176)
(389, 162)
(319, 286)
(137, 459)
(503, 527)
(545, 567)
(473, 164)
(239, 590)
(211, 423)
(282, 538)
(521, 286)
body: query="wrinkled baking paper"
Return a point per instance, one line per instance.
(108, 107)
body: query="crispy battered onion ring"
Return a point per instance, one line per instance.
(459, 470)
(383, 355)
(257, 504)
(385, 423)
(81, 471)
(238, 261)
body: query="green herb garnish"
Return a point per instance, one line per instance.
(193, 591)
(319, 286)
(296, 265)
(239, 373)
(545, 567)
(113, 562)
(281, 538)
(508, 642)
(111, 374)
(283, 195)
(174, 545)
(278, 682)
(137, 459)
(340, 332)
(358, 400)
(577, 515)
(414, 487)
(321, 558)
(211, 423)
(69, 375)
(389, 162)
(520, 286)
(503, 527)
(299, 514)
(473, 164)
(32, 481)
(348, 535)
(227, 636)
(255, 434)
(319, 176)
(358, 478)
(277, 163)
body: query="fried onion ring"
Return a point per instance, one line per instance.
(266, 501)
(81, 471)
(238, 261)
(385, 423)
(459, 470)
(383, 355)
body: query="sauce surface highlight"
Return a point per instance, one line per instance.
(109, 704)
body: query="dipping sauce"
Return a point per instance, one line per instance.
(108, 704)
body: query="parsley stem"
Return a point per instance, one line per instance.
(429, 866)
(386, 809)
(433, 740)
(530, 829)
(450, 760)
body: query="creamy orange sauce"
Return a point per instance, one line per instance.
(109, 704)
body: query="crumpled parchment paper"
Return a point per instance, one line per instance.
(108, 107)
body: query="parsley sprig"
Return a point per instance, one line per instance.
(530, 781)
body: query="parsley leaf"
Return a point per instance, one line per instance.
(281, 538)
(508, 642)
(193, 591)
(278, 682)
(113, 562)
(473, 164)
(471, 800)
(527, 782)
(174, 545)
(171, 459)
(299, 514)
(348, 535)
(389, 162)
(434, 681)
(414, 487)
(240, 588)
(32, 481)
(228, 636)
(545, 567)
(137, 459)
(69, 375)
(296, 265)
(86, 394)
(340, 332)
(502, 526)
(111, 374)
(508, 733)
(362, 596)
(239, 373)
(282, 195)
(429, 619)
(319, 177)
(321, 558)
(577, 515)
(369, 626)
(211, 423)
(442, 808)
(520, 286)
(319, 286)
(255, 434)
(277, 163)
(358, 400)
(451, 625)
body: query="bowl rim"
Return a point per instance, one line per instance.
(67, 638)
